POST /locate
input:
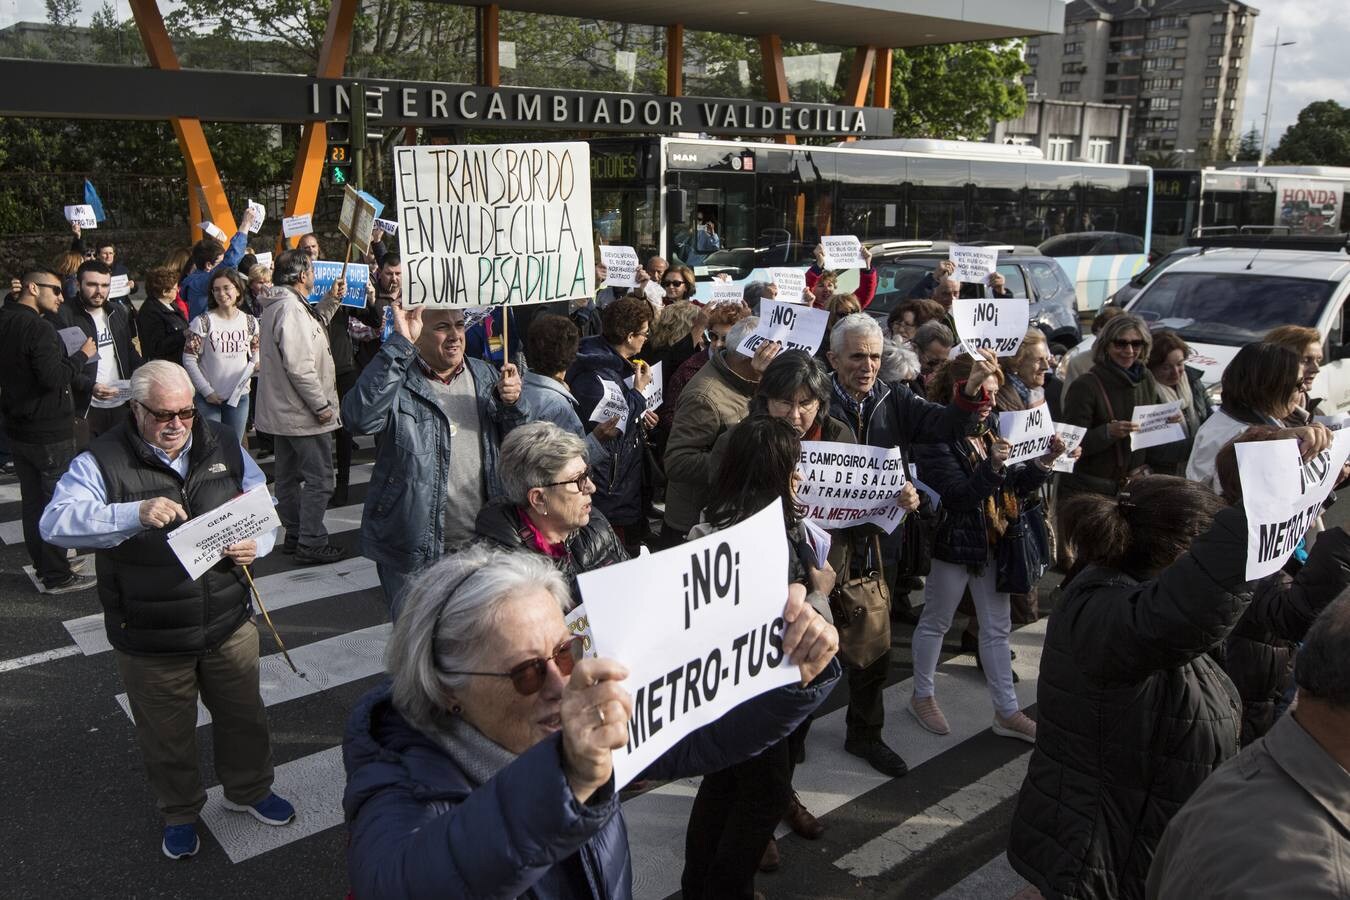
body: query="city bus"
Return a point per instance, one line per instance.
(733, 208)
(1251, 200)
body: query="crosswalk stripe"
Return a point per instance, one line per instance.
(279, 591)
(33, 659)
(924, 829)
(324, 664)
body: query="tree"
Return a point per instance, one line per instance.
(1320, 137)
(1160, 159)
(1249, 148)
(957, 90)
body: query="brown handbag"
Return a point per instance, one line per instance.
(862, 612)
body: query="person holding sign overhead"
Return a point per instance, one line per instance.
(207, 256)
(486, 765)
(174, 638)
(823, 284)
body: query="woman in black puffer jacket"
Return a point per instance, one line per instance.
(1259, 655)
(1133, 713)
(547, 508)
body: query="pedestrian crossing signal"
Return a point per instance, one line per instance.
(339, 175)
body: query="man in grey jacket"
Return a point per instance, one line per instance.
(297, 403)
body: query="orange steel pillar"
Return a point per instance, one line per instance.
(488, 38)
(775, 81)
(881, 79)
(201, 167)
(675, 60)
(855, 93)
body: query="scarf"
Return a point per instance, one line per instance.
(1182, 392)
(1000, 507)
(479, 757)
(1135, 372)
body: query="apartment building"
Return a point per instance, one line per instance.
(1180, 66)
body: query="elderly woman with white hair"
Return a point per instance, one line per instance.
(546, 508)
(484, 767)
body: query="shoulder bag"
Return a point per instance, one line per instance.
(862, 612)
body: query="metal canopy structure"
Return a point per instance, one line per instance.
(845, 23)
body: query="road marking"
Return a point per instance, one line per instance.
(920, 831)
(278, 591)
(324, 664)
(33, 659)
(995, 880)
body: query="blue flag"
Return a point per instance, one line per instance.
(91, 198)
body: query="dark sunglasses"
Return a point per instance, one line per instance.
(528, 677)
(579, 481)
(164, 418)
(679, 282)
(1121, 344)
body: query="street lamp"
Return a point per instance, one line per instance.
(1270, 89)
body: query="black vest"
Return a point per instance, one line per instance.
(149, 605)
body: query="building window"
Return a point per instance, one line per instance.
(1206, 123)
(1110, 87)
(1211, 81)
(1232, 85)
(1209, 103)
(1235, 63)
(1033, 60)
(1164, 43)
(1237, 42)
(1112, 68)
(1230, 104)
(1061, 148)
(1216, 40)
(1219, 17)
(1227, 124)
(1073, 47)
(1214, 62)
(1068, 87)
(1100, 151)
(1070, 68)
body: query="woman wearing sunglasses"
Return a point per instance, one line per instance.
(483, 768)
(547, 488)
(1102, 400)
(679, 283)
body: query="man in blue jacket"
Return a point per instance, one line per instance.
(440, 418)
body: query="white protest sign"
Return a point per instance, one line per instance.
(707, 637)
(793, 325)
(725, 292)
(973, 264)
(791, 283)
(121, 391)
(241, 385)
(1335, 421)
(655, 392)
(842, 251)
(363, 228)
(613, 404)
(851, 484)
(933, 496)
(621, 265)
(81, 214)
(1028, 430)
(997, 325)
(296, 226)
(73, 339)
(1072, 436)
(263, 259)
(1283, 495)
(820, 542)
(214, 230)
(259, 214)
(580, 625)
(200, 543)
(493, 224)
(347, 214)
(1154, 429)
(119, 286)
(388, 226)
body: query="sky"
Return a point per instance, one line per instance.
(1311, 69)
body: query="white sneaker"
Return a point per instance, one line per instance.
(1019, 725)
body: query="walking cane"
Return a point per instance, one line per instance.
(267, 618)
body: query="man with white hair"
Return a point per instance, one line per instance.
(886, 416)
(715, 399)
(174, 638)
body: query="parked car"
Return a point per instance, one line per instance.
(1136, 284)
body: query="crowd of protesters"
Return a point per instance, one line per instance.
(495, 483)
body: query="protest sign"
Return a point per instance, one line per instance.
(707, 637)
(377, 205)
(297, 226)
(1072, 436)
(326, 274)
(119, 286)
(214, 231)
(621, 265)
(933, 496)
(842, 251)
(245, 377)
(347, 214)
(121, 391)
(1154, 429)
(997, 325)
(263, 259)
(791, 283)
(200, 543)
(1335, 421)
(974, 264)
(259, 214)
(356, 221)
(495, 224)
(580, 625)
(73, 338)
(654, 393)
(851, 484)
(793, 325)
(1028, 430)
(820, 542)
(614, 404)
(388, 226)
(1283, 495)
(725, 292)
(81, 214)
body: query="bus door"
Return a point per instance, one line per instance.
(624, 196)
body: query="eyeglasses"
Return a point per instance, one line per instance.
(1121, 344)
(528, 677)
(580, 481)
(678, 282)
(164, 418)
(712, 337)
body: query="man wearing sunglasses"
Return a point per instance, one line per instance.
(174, 639)
(35, 397)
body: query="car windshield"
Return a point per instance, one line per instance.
(1230, 309)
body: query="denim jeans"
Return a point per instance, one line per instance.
(236, 417)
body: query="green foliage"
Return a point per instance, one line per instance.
(957, 90)
(1249, 147)
(1320, 137)
(1160, 159)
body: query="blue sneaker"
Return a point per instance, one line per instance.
(272, 810)
(180, 841)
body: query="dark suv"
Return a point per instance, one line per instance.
(1028, 274)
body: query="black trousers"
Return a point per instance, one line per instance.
(345, 382)
(735, 813)
(40, 467)
(866, 712)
